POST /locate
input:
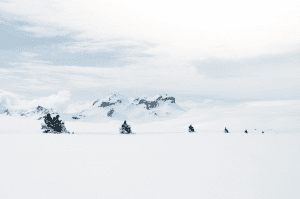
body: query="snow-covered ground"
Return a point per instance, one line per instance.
(167, 165)
(162, 160)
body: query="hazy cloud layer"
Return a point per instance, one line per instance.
(185, 29)
(231, 49)
(264, 83)
(12, 101)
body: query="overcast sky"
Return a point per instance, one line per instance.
(71, 50)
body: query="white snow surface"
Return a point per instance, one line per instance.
(162, 160)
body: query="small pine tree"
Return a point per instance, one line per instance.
(6, 112)
(54, 123)
(246, 131)
(191, 129)
(125, 128)
(226, 130)
(48, 121)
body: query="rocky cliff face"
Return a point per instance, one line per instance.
(110, 100)
(153, 104)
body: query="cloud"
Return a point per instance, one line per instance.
(131, 76)
(29, 57)
(60, 102)
(42, 31)
(76, 107)
(263, 84)
(188, 30)
(13, 101)
(7, 100)
(163, 46)
(29, 54)
(57, 101)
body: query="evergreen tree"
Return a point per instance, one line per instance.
(125, 128)
(226, 130)
(191, 129)
(53, 123)
(6, 112)
(246, 131)
(48, 121)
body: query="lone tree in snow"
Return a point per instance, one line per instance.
(226, 130)
(191, 129)
(262, 132)
(54, 123)
(246, 131)
(125, 128)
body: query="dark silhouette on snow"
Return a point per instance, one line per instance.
(191, 129)
(262, 132)
(125, 128)
(54, 125)
(6, 112)
(246, 131)
(226, 130)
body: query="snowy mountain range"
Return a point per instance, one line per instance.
(116, 106)
(38, 113)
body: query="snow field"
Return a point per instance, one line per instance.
(167, 165)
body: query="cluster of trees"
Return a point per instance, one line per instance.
(55, 125)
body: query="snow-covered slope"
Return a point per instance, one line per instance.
(118, 107)
(36, 113)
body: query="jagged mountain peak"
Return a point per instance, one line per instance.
(41, 109)
(154, 101)
(111, 99)
(36, 113)
(114, 96)
(116, 106)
